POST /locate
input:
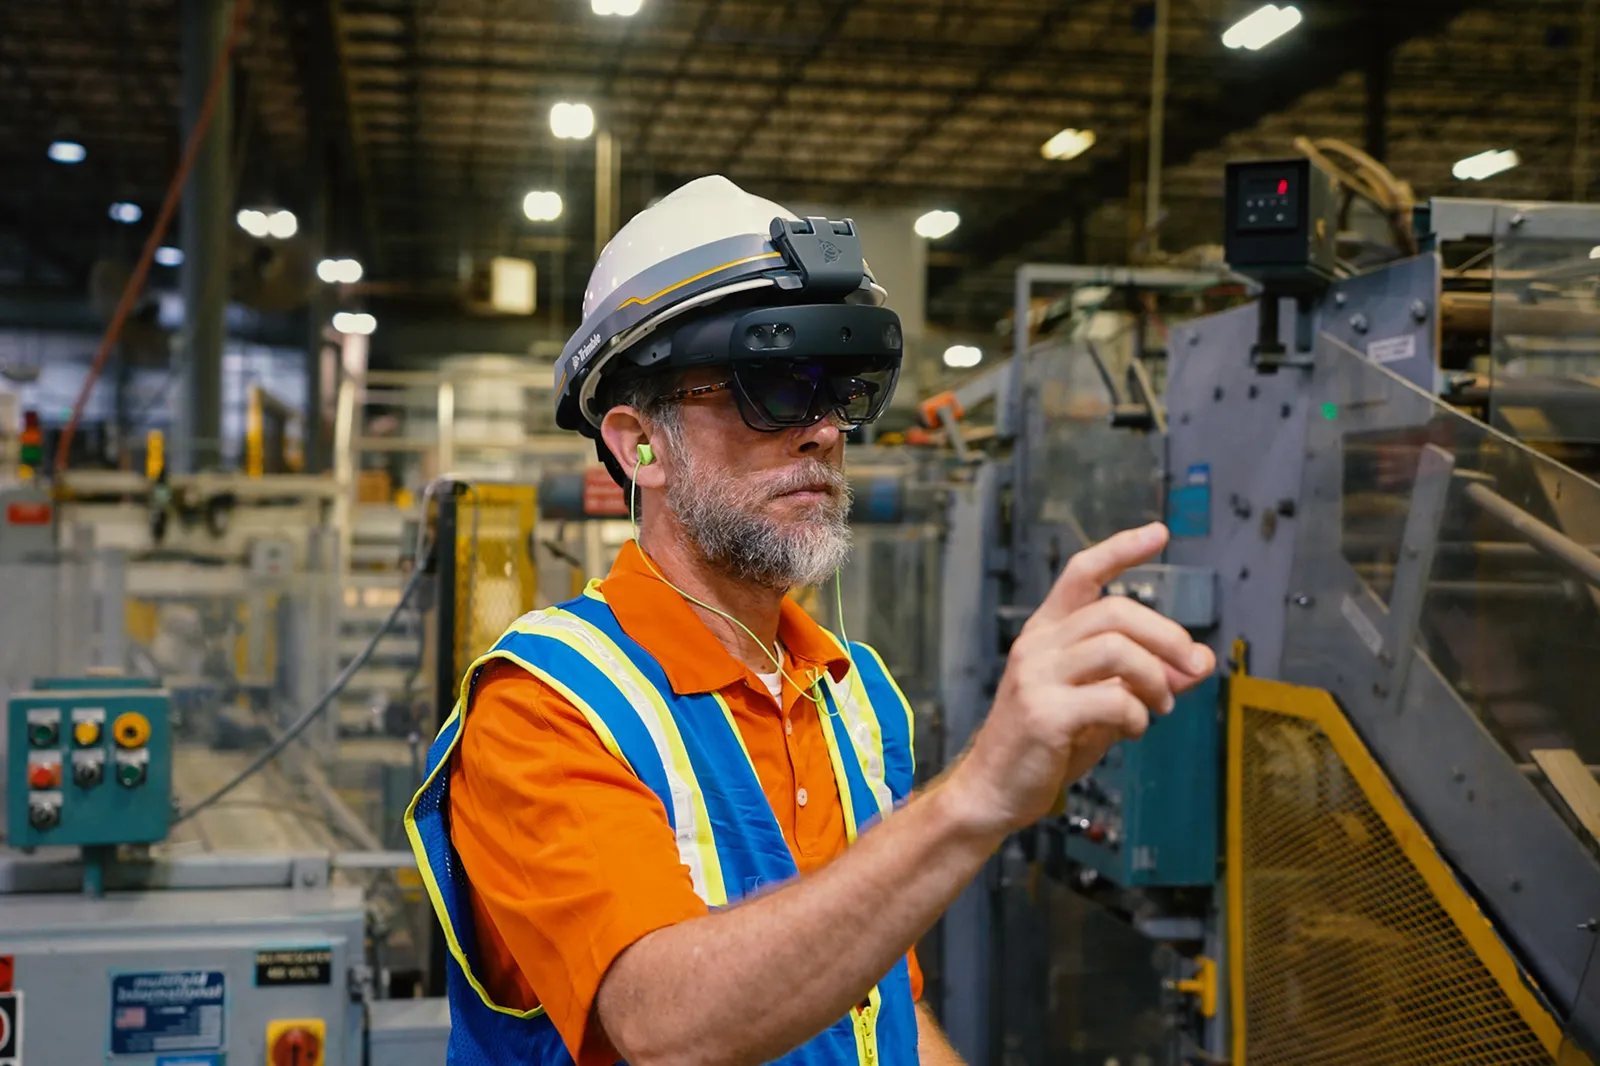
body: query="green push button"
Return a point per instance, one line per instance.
(44, 734)
(130, 774)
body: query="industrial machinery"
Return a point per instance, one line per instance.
(1376, 836)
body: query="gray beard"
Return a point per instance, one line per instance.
(724, 520)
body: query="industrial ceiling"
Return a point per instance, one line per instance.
(428, 119)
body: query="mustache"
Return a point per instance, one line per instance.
(808, 473)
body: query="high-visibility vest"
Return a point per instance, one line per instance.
(727, 835)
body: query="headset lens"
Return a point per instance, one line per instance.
(786, 393)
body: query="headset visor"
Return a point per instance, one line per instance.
(785, 392)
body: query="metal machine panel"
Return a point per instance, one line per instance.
(1389, 315)
(408, 1032)
(172, 973)
(1147, 815)
(1235, 456)
(1454, 761)
(88, 767)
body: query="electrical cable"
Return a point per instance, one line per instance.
(814, 692)
(300, 724)
(158, 231)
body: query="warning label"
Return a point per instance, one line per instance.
(11, 1029)
(176, 1010)
(294, 966)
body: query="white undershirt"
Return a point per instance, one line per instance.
(774, 680)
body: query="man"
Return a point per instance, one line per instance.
(672, 821)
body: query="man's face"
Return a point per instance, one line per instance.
(766, 507)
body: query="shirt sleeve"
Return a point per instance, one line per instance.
(570, 856)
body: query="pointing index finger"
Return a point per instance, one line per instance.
(1090, 570)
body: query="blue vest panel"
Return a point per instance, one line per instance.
(686, 750)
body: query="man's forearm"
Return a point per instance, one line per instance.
(748, 984)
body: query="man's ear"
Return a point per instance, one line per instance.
(623, 431)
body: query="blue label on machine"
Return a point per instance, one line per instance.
(1189, 503)
(174, 1010)
(190, 1060)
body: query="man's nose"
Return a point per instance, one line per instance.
(817, 440)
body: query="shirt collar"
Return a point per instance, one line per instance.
(658, 617)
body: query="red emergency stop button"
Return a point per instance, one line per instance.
(293, 1043)
(297, 1047)
(1096, 832)
(44, 775)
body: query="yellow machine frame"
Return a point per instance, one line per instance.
(1273, 940)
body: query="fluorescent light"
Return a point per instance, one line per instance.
(169, 256)
(1485, 164)
(1261, 27)
(339, 271)
(358, 322)
(542, 206)
(282, 224)
(1068, 144)
(253, 222)
(936, 224)
(962, 356)
(621, 8)
(68, 152)
(572, 122)
(126, 213)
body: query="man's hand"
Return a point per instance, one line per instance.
(1086, 671)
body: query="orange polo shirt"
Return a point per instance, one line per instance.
(570, 856)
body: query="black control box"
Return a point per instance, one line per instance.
(1282, 223)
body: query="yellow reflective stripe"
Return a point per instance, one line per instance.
(697, 847)
(911, 718)
(842, 779)
(866, 736)
(425, 868)
(727, 713)
(697, 277)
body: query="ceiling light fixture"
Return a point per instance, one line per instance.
(542, 206)
(1485, 164)
(620, 8)
(339, 271)
(126, 213)
(282, 225)
(936, 224)
(169, 256)
(1068, 144)
(68, 152)
(1262, 26)
(357, 322)
(572, 122)
(962, 356)
(252, 222)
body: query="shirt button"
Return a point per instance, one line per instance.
(788, 726)
(800, 797)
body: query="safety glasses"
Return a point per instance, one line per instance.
(778, 393)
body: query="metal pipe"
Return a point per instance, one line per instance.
(1580, 145)
(198, 444)
(1157, 132)
(605, 190)
(1550, 541)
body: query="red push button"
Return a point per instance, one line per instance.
(44, 775)
(296, 1042)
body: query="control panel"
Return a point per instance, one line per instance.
(89, 762)
(1148, 814)
(1282, 223)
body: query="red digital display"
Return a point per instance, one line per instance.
(1283, 186)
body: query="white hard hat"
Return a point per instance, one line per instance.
(699, 244)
